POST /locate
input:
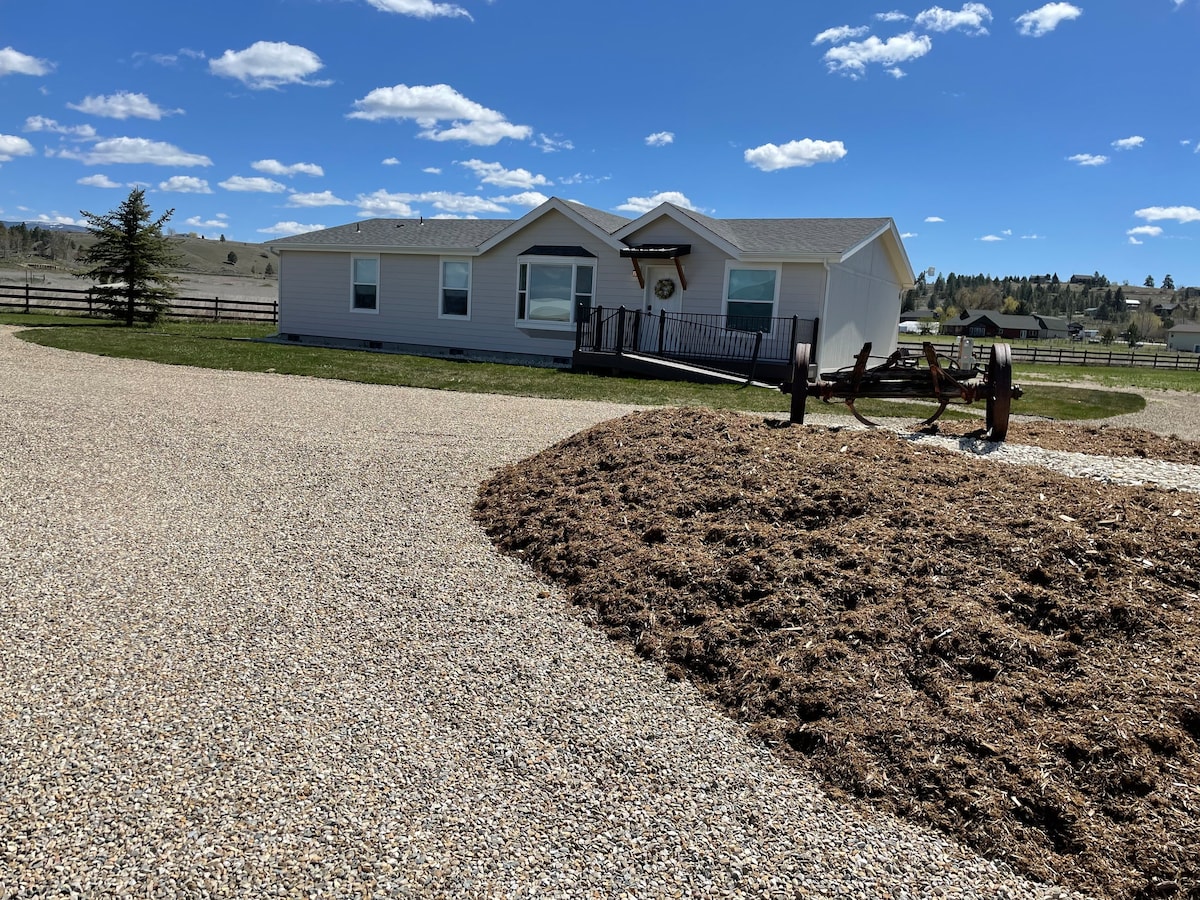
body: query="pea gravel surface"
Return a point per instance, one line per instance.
(252, 644)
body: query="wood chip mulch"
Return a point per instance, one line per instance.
(1007, 654)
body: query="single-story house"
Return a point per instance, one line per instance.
(1184, 337)
(522, 290)
(990, 323)
(1165, 309)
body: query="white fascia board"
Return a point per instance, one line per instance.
(534, 214)
(896, 250)
(672, 212)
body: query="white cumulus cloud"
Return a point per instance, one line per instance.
(894, 16)
(972, 18)
(1129, 143)
(14, 62)
(430, 104)
(991, 238)
(645, 204)
(12, 145)
(840, 33)
(289, 228)
(660, 139)
(1088, 159)
(138, 151)
(254, 184)
(98, 180)
(934, 219)
(323, 198)
(1146, 230)
(41, 123)
(1169, 213)
(852, 59)
(382, 203)
(185, 184)
(529, 199)
(421, 9)
(268, 64)
(122, 105)
(1045, 19)
(805, 152)
(495, 173)
(391, 161)
(275, 167)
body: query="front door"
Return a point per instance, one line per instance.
(664, 293)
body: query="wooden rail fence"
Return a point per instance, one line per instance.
(1061, 356)
(29, 298)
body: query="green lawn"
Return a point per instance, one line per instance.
(233, 347)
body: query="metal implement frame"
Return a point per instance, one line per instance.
(900, 376)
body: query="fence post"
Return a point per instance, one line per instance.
(27, 298)
(662, 324)
(620, 329)
(598, 312)
(216, 309)
(275, 311)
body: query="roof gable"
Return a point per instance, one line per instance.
(595, 221)
(801, 240)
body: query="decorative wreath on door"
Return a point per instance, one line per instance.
(664, 288)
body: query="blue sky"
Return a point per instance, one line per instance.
(1005, 138)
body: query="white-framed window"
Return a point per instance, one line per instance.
(364, 278)
(454, 295)
(554, 291)
(751, 296)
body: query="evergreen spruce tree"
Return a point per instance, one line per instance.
(132, 260)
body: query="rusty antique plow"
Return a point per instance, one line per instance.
(902, 377)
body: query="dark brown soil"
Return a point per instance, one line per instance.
(1004, 653)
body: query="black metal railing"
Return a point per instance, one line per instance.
(694, 337)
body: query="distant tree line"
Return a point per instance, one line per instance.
(23, 241)
(1092, 296)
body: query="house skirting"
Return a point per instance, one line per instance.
(461, 353)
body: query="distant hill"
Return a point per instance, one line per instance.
(71, 229)
(198, 256)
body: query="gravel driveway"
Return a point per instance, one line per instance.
(251, 644)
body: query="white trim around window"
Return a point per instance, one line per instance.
(364, 284)
(751, 308)
(454, 288)
(553, 290)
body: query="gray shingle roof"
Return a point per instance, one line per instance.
(603, 220)
(463, 234)
(817, 236)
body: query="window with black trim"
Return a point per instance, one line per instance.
(553, 291)
(455, 302)
(751, 294)
(365, 279)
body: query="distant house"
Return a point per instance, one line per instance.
(1165, 309)
(527, 290)
(992, 324)
(1184, 337)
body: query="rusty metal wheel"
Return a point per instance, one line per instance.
(799, 383)
(999, 392)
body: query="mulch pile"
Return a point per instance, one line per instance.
(1007, 654)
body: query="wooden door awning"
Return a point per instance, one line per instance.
(657, 251)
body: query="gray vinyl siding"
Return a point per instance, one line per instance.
(316, 286)
(864, 306)
(704, 267)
